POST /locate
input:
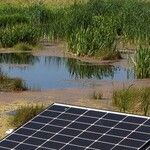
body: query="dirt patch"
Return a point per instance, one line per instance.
(72, 95)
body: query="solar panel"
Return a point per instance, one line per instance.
(65, 127)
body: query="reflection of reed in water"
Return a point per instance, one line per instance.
(82, 70)
(57, 61)
(18, 58)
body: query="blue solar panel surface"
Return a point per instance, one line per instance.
(64, 127)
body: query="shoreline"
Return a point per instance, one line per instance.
(60, 50)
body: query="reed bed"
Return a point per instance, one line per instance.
(141, 62)
(89, 27)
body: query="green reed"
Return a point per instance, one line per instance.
(141, 62)
(91, 28)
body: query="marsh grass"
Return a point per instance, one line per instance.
(90, 27)
(11, 84)
(24, 114)
(132, 100)
(17, 34)
(11, 20)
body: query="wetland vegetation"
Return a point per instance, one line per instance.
(132, 100)
(93, 28)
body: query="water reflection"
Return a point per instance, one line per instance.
(81, 70)
(18, 58)
(45, 72)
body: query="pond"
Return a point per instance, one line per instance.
(45, 72)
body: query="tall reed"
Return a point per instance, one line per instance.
(132, 100)
(141, 62)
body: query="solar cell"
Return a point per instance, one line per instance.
(62, 138)
(17, 138)
(43, 135)
(42, 119)
(68, 117)
(32, 125)
(64, 127)
(25, 146)
(50, 114)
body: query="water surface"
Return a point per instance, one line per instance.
(44, 72)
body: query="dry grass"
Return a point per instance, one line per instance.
(11, 84)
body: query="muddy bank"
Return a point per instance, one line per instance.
(60, 50)
(74, 95)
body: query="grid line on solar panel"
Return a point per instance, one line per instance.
(46, 124)
(62, 142)
(93, 132)
(132, 140)
(61, 130)
(100, 126)
(3, 148)
(84, 129)
(96, 124)
(82, 114)
(16, 143)
(58, 142)
(102, 135)
(90, 117)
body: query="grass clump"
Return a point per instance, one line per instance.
(23, 47)
(11, 84)
(145, 101)
(97, 95)
(132, 100)
(25, 113)
(122, 99)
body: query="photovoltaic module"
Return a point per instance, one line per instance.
(66, 127)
